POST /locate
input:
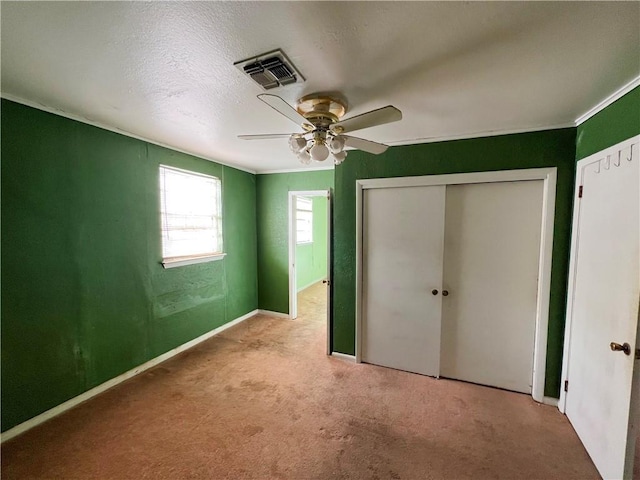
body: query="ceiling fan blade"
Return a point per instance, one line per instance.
(266, 136)
(282, 107)
(380, 116)
(365, 145)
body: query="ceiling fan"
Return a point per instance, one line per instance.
(320, 116)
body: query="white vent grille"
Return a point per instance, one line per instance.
(270, 70)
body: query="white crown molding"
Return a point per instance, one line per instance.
(621, 92)
(413, 141)
(78, 118)
(69, 404)
(294, 170)
(482, 134)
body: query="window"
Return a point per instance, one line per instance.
(191, 214)
(304, 220)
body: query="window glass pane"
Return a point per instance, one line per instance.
(304, 220)
(191, 213)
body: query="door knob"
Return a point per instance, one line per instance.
(625, 347)
(445, 293)
(434, 292)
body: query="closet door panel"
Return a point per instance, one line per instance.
(403, 234)
(491, 259)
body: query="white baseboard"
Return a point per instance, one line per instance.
(69, 404)
(269, 313)
(550, 401)
(344, 356)
(310, 284)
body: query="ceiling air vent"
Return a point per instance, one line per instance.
(270, 70)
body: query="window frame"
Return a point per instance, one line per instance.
(178, 261)
(310, 211)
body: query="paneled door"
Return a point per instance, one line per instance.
(603, 309)
(403, 230)
(491, 263)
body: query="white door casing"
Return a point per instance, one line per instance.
(403, 239)
(604, 290)
(492, 250)
(293, 289)
(548, 175)
(329, 270)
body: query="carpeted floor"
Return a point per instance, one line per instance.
(262, 400)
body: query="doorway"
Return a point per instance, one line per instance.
(309, 243)
(466, 192)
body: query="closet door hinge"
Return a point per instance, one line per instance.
(566, 385)
(580, 192)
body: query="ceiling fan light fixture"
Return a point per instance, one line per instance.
(319, 152)
(339, 157)
(336, 144)
(304, 157)
(320, 116)
(296, 143)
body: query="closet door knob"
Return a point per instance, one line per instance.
(445, 293)
(434, 291)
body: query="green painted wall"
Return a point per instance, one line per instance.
(311, 258)
(554, 148)
(84, 296)
(618, 122)
(272, 212)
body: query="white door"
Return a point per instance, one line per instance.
(491, 263)
(603, 308)
(403, 230)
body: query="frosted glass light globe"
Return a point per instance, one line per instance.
(337, 144)
(319, 152)
(296, 143)
(339, 157)
(304, 157)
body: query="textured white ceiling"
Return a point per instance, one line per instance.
(164, 70)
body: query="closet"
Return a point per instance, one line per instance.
(449, 280)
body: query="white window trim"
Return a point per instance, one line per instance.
(179, 262)
(193, 259)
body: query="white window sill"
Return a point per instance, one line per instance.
(182, 261)
(305, 243)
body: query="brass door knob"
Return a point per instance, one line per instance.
(445, 293)
(616, 347)
(434, 292)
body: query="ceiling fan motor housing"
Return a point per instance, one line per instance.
(321, 111)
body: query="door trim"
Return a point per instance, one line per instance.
(571, 284)
(548, 176)
(293, 290)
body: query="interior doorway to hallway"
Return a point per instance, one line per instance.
(309, 241)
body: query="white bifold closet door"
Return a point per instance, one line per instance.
(450, 279)
(402, 252)
(491, 261)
